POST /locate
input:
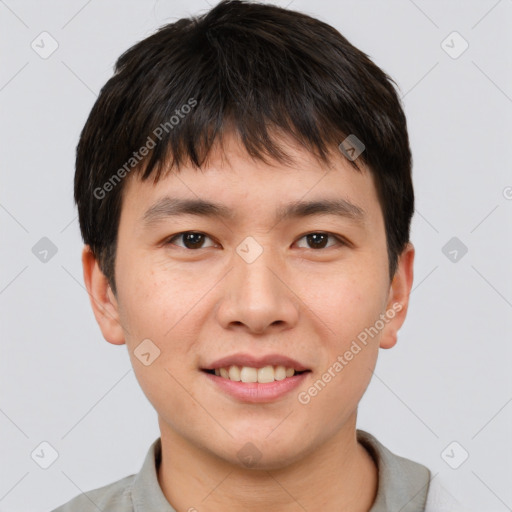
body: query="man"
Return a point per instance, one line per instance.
(244, 192)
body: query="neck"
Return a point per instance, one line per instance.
(337, 475)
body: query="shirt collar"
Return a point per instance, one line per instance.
(146, 491)
(402, 484)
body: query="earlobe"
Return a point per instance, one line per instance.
(398, 298)
(103, 302)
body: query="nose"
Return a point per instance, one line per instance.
(256, 296)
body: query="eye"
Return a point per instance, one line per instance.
(318, 240)
(191, 240)
(195, 240)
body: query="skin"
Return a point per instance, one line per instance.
(308, 303)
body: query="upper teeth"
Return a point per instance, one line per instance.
(248, 374)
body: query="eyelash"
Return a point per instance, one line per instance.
(340, 240)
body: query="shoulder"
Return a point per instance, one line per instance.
(141, 489)
(440, 500)
(114, 497)
(405, 484)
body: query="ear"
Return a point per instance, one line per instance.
(398, 298)
(103, 302)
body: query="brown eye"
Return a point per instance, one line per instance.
(319, 240)
(191, 239)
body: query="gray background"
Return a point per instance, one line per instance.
(448, 379)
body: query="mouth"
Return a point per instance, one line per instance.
(247, 368)
(250, 374)
(248, 378)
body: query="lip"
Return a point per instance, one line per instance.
(256, 362)
(255, 392)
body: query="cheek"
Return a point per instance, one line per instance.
(350, 310)
(347, 303)
(158, 302)
(160, 308)
(162, 311)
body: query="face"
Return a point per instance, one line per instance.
(255, 289)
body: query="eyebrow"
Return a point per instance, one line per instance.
(168, 207)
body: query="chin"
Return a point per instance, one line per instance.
(260, 450)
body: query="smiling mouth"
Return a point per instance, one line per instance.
(249, 374)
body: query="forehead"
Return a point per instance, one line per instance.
(232, 185)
